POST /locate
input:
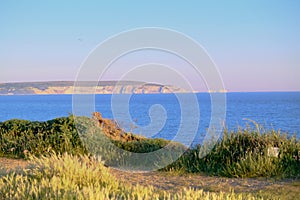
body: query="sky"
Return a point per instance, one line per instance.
(255, 44)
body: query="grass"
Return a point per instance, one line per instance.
(63, 165)
(19, 138)
(170, 183)
(82, 177)
(243, 153)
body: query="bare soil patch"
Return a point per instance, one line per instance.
(174, 182)
(10, 164)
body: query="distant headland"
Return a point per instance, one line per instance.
(103, 87)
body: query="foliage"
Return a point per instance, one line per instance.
(128, 155)
(245, 154)
(81, 177)
(19, 138)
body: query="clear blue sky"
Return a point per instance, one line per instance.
(255, 44)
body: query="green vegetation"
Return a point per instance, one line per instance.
(21, 88)
(126, 154)
(63, 165)
(243, 153)
(19, 138)
(81, 177)
(26, 87)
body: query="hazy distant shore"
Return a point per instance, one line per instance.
(70, 87)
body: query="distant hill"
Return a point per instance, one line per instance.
(103, 87)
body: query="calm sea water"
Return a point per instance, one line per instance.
(278, 110)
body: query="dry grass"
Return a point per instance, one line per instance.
(80, 177)
(172, 183)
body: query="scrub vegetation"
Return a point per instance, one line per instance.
(64, 166)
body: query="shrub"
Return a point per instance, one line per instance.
(19, 138)
(245, 154)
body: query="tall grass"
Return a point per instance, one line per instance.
(245, 154)
(241, 153)
(137, 155)
(80, 177)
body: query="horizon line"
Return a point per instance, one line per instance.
(200, 91)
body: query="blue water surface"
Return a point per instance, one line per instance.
(273, 110)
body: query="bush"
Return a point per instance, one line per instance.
(19, 138)
(245, 154)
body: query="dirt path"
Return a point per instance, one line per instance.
(9, 163)
(174, 182)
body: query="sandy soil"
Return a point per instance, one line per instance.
(174, 182)
(9, 163)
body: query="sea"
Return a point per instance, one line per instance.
(160, 115)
